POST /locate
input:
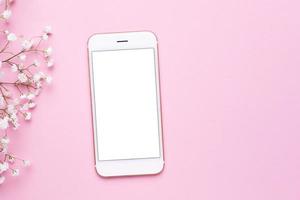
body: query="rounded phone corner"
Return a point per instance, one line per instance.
(160, 169)
(151, 35)
(100, 172)
(91, 38)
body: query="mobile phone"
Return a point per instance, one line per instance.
(125, 99)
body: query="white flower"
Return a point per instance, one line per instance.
(27, 115)
(38, 84)
(14, 68)
(13, 117)
(23, 96)
(15, 124)
(11, 37)
(25, 107)
(4, 123)
(3, 167)
(31, 104)
(6, 14)
(50, 63)
(48, 51)
(22, 57)
(26, 163)
(36, 77)
(49, 79)
(11, 159)
(30, 96)
(48, 29)
(36, 63)
(21, 65)
(22, 77)
(27, 44)
(45, 36)
(42, 74)
(4, 140)
(15, 172)
(2, 179)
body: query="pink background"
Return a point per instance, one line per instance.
(230, 79)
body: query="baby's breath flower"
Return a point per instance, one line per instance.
(15, 172)
(24, 107)
(42, 74)
(23, 96)
(22, 57)
(4, 167)
(36, 63)
(27, 115)
(4, 140)
(4, 123)
(26, 163)
(27, 81)
(50, 63)
(22, 77)
(11, 159)
(11, 37)
(14, 68)
(6, 14)
(30, 96)
(48, 51)
(15, 124)
(49, 79)
(48, 29)
(27, 44)
(45, 36)
(31, 104)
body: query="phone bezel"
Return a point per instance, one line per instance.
(123, 41)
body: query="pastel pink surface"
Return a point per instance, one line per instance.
(230, 95)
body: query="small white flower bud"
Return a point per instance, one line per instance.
(48, 51)
(48, 79)
(15, 172)
(22, 57)
(22, 77)
(27, 115)
(14, 68)
(6, 14)
(26, 163)
(26, 44)
(50, 63)
(48, 29)
(11, 37)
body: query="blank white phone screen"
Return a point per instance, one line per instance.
(126, 105)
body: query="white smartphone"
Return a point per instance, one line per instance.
(125, 90)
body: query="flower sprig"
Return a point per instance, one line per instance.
(21, 81)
